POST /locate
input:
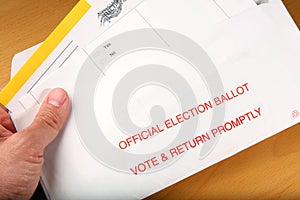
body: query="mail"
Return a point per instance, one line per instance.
(167, 89)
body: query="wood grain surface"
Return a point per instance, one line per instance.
(268, 170)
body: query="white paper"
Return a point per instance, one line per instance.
(247, 62)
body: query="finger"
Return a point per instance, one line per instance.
(5, 119)
(4, 132)
(48, 122)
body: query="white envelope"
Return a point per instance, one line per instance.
(161, 73)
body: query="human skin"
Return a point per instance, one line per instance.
(21, 153)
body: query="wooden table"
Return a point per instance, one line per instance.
(268, 170)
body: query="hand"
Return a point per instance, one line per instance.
(21, 153)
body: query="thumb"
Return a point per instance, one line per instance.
(47, 123)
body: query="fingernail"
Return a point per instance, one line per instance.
(57, 97)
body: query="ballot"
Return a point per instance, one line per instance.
(160, 90)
